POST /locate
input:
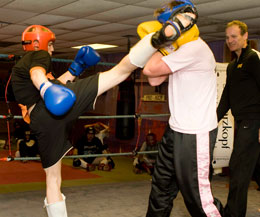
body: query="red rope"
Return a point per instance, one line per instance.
(7, 120)
(139, 109)
(9, 158)
(141, 94)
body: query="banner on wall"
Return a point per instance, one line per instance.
(224, 142)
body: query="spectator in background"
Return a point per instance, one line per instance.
(18, 133)
(101, 130)
(145, 162)
(89, 144)
(19, 130)
(27, 147)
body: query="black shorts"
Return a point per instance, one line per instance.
(52, 131)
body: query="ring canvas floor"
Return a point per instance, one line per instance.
(119, 192)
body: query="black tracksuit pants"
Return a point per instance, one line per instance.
(183, 164)
(242, 163)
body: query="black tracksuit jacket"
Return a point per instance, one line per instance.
(242, 90)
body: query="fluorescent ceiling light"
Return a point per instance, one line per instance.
(97, 46)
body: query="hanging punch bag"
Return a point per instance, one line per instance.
(125, 127)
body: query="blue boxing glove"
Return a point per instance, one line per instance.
(58, 99)
(85, 58)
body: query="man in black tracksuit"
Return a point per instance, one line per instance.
(242, 95)
(256, 175)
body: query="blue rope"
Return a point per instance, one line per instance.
(66, 60)
(103, 116)
(86, 155)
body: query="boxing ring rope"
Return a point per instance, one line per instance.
(62, 60)
(10, 158)
(100, 117)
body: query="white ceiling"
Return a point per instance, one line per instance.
(77, 22)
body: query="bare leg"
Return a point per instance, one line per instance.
(55, 200)
(53, 183)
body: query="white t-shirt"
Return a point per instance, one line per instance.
(192, 89)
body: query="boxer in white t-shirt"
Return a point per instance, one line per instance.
(184, 159)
